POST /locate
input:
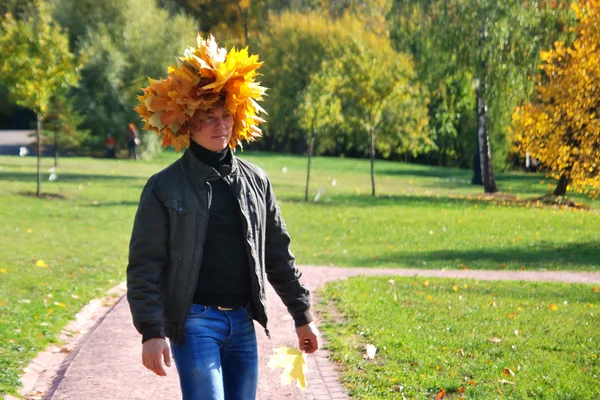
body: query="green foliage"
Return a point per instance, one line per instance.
(62, 124)
(36, 62)
(14, 7)
(125, 41)
(473, 339)
(349, 97)
(228, 20)
(299, 46)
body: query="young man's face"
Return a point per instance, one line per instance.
(213, 128)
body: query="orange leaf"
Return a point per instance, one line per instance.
(441, 394)
(460, 390)
(596, 289)
(508, 371)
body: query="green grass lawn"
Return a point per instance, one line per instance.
(480, 340)
(424, 217)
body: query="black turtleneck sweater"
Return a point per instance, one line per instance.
(224, 277)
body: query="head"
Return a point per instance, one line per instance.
(213, 128)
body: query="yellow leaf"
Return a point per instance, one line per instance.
(455, 288)
(3, 270)
(553, 307)
(41, 264)
(293, 363)
(426, 283)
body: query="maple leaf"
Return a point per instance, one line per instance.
(293, 362)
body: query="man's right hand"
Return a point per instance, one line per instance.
(152, 352)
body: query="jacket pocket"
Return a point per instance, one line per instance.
(181, 231)
(178, 207)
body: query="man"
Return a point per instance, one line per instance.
(207, 231)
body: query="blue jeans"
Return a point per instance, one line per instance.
(218, 359)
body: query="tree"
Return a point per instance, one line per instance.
(561, 127)
(366, 99)
(36, 63)
(293, 50)
(62, 125)
(494, 43)
(121, 53)
(232, 21)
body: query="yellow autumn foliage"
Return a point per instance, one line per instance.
(561, 128)
(201, 77)
(293, 362)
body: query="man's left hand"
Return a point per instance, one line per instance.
(308, 338)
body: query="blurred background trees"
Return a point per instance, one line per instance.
(427, 61)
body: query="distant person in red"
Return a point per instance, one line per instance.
(133, 140)
(110, 145)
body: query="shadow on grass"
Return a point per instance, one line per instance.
(62, 177)
(438, 200)
(547, 255)
(124, 203)
(427, 172)
(364, 200)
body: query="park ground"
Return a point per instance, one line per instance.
(71, 246)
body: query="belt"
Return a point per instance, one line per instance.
(222, 308)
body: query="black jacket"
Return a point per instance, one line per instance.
(166, 245)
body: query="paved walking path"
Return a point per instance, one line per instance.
(108, 366)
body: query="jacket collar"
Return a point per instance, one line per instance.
(200, 173)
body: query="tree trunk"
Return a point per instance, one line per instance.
(373, 162)
(245, 21)
(266, 11)
(561, 187)
(311, 143)
(476, 179)
(55, 149)
(39, 153)
(483, 136)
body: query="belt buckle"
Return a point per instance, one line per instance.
(224, 308)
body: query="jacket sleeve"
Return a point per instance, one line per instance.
(148, 257)
(280, 264)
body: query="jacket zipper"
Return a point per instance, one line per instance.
(195, 278)
(249, 249)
